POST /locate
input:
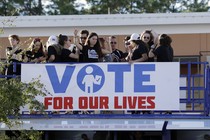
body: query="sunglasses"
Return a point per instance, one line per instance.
(127, 43)
(83, 38)
(113, 42)
(146, 37)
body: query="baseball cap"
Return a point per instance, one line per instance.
(134, 36)
(52, 40)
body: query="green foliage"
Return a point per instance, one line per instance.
(62, 7)
(30, 7)
(7, 8)
(146, 6)
(195, 5)
(70, 7)
(21, 7)
(151, 6)
(23, 135)
(109, 6)
(15, 94)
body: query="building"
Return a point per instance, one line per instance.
(190, 33)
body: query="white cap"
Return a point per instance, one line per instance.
(134, 36)
(52, 40)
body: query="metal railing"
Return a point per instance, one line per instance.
(196, 88)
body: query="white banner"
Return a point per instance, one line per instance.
(107, 86)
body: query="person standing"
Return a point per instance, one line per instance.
(106, 50)
(54, 49)
(164, 52)
(137, 53)
(66, 54)
(148, 38)
(83, 37)
(137, 49)
(35, 52)
(126, 45)
(91, 50)
(14, 56)
(118, 55)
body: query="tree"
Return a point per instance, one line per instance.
(195, 5)
(21, 7)
(22, 135)
(152, 6)
(146, 6)
(129, 6)
(7, 8)
(62, 7)
(15, 94)
(109, 6)
(30, 7)
(69, 7)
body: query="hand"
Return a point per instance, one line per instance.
(25, 59)
(75, 32)
(106, 39)
(153, 46)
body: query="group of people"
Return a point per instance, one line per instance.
(88, 48)
(144, 47)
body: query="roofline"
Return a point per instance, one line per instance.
(172, 22)
(109, 20)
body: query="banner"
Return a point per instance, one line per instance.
(107, 86)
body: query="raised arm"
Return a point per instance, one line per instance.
(76, 40)
(108, 48)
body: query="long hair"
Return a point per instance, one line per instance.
(97, 45)
(102, 42)
(32, 46)
(62, 39)
(165, 40)
(151, 36)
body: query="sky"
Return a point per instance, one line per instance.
(45, 2)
